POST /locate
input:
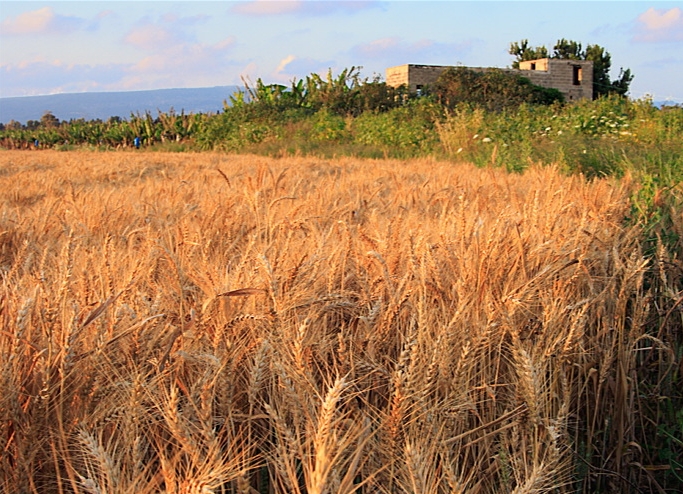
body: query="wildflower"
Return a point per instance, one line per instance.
(559, 132)
(458, 151)
(486, 139)
(475, 136)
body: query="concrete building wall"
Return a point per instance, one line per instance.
(397, 76)
(573, 78)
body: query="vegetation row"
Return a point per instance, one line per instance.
(500, 120)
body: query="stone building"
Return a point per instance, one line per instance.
(573, 78)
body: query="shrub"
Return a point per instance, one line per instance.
(493, 89)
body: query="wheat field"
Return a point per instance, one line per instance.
(210, 323)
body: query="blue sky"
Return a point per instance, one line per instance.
(57, 47)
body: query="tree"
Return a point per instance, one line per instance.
(344, 94)
(13, 125)
(524, 52)
(572, 50)
(48, 120)
(602, 62)
(568, 50)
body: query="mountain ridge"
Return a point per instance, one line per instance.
(103, 105)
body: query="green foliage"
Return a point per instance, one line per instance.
(568, 50)
(408, 130)
(344, 114)
(493, 90)
(522, 52)
(490, 118)
(48, 120)
(609, 136)
(572, 50)
(237, 127)
(328, 127)
(345, 94)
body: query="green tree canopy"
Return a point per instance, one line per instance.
(572, 50)
(522, 51)
(48, 120)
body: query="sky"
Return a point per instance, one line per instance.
(66, 47)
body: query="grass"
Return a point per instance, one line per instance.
(197, 323)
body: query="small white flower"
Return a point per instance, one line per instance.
(458, 151)
(559, 132)
(486, 139)
(475, 136)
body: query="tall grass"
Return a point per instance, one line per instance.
(216, 323)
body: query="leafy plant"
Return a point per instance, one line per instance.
(493, 90)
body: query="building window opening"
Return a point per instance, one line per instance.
(418, 89)
(533, 65)
(577, 75)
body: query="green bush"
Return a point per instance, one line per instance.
(493, 89)
(403, 131)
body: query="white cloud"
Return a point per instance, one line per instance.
(655, 25)
(302, 7)
(185, 57)
(378, 47)
(167, 53)
(283, 63)
(396, 51)
(44, 76)
(150, 37)
(33, 22)
(41, 21)
(267, 7)
(177, 65)
(172, 55)
(292, 67)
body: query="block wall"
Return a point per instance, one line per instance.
(558, 74)
(573, 78)
(414, 76)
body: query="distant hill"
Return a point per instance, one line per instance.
(91, 106)
(668, 102)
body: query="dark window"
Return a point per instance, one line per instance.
(419, 89)
(533, 66)
(577, 75)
